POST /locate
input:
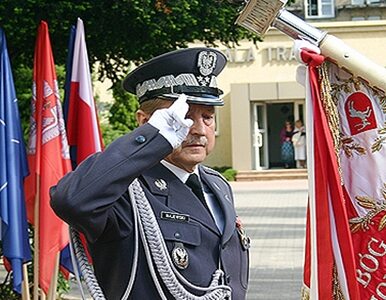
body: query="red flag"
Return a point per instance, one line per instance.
(329, 271)
(48, 156)
(82, 121)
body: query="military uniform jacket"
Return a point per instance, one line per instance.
(94, 199)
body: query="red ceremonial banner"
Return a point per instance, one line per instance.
(48, 157)
(345, 247)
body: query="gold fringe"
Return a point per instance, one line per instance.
(331, 111)
(336, 289)
(305, 293)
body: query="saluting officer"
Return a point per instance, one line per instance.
(174, 233)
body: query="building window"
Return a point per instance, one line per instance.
(357, 2)
(319, 9)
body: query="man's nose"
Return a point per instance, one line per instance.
(198, 127)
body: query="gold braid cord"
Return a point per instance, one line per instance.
(330, 107)
(305, 293)
(336, 289)
(331, 110)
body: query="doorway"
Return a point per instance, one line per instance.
(268, 120)
(277, 114)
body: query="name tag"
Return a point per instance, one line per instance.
(174, 217)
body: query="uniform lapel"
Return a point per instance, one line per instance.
(179, 198)
(224, 197)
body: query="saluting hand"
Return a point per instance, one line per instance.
(171, 121)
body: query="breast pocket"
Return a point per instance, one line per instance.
(182, 232)
(188, 254)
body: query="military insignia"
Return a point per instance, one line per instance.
(161, 184)
(244, 239)
(180, 256)
(206, 62)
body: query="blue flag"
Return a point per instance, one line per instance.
(65, 255)
(13, 169)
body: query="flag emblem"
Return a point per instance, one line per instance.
(360, 113)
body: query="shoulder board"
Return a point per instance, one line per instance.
(214, 172)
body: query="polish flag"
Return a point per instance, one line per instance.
(83, 129)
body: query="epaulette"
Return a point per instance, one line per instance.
(214, 172)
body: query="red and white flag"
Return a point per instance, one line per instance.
(346, 220)
(82, 121)
(330, 270)
(362, 153)
(48, 157)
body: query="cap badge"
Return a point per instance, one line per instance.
(161, 184)
(180, 256)
(206, 62)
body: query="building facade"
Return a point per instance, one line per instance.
(259, 82)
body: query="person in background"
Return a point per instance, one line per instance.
(287, 149)
(299, 143)
(188, 241)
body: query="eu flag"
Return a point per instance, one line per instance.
(13, 169)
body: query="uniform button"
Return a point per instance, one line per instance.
(140, 139)
(177, 235)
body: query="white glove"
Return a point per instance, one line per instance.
(297, 49)
(171, 122)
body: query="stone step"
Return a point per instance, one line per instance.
(275, 174)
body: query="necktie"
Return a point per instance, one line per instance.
(195, 185)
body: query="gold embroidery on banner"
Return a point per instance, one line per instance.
(382, 98)
(354, 84)
(349, 146)
(347, 86)
(377, 146)
(374, 208)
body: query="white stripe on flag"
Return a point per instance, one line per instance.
(81, 74)
(337, 252)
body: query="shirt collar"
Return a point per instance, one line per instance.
(180, 173)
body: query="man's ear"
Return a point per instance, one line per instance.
(141, 117)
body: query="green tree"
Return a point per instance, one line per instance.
(121, 31)
(118, 33)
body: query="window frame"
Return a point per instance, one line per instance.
(320, 5)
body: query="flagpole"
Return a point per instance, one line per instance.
(54, 281)
(25, 288)
(36, 240)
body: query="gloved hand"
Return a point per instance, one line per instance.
(298, 46)
(171, 122)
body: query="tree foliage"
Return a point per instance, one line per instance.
(118, 32)
(121, 31)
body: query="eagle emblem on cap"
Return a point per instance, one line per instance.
(206, 62)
